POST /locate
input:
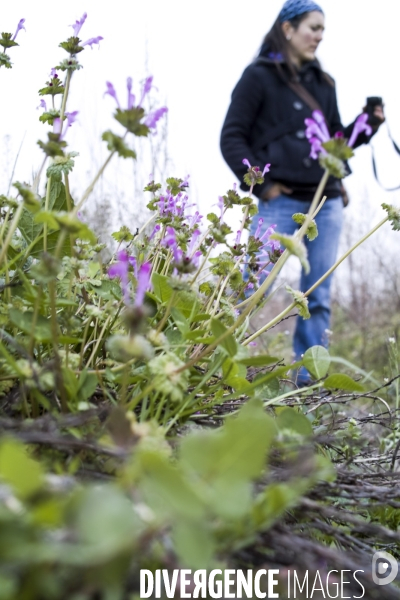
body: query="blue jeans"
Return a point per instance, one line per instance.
(322, 254)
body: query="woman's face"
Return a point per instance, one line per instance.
(304, 41)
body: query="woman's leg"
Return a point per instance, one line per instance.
(322, 253)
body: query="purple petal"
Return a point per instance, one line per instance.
(154, 116)
(57, 126)
(360, 126)
(238, 236)
(193, 242)
(91, 41)
(143, 283)
(111, 92)
(146, 89)
(71, 117)
(133, 262)
(19, 27)
(131, 97)
(42, 104)
(246, 162)
(53, 73)
(260, 222)
(320, 119)
(78, 25)
(266, 169)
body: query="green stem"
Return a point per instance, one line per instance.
(99, 340)
(254, 299)
(345, 255)
(46, 207)
(10, 233)
(90, 188)
(167, 313)
(65, 95)
(316, 284)
(274, 321)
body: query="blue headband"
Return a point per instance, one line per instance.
(294, 8)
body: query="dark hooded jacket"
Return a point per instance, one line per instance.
(265, 124)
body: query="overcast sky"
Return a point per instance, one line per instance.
(196, 52)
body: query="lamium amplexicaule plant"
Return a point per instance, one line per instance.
(156, 338)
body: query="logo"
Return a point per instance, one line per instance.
(384, 568)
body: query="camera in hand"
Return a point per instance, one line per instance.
(372, 102)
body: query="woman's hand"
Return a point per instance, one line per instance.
(379, 116)
(276, 190)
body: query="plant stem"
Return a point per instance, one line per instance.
(90, 188)
(10, 233)
(254, 299)
(345, 255)
(46, 207)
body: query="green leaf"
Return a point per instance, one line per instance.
(88, 383)
(294, 246)
(166, 487)
(393, 215)
(231, 453)
(317, 360)
(21, 472)
(258, 361)
(301, 302)
(338, 147)
(130, 119)
(342, 382)
(289, 418)
(228, 343)
(194, 545)
(24, 321)
(312, 230)
(123, 235)
(115, 143)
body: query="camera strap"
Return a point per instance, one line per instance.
(397, 149)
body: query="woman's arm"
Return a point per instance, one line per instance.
(247, 100)
(362, 138)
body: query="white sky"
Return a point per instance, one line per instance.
(196, 52)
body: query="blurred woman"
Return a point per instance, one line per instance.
(265, 124)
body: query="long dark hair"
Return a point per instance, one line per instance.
(276, 46)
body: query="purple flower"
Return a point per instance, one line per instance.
(194, 219)
(170, 240)
(78, 25)
(91, 41)
(316, 147)
(133, 262)
(19, 27)
(143, 283)
(360, 126)
(266, 169)
(154, 232)
(131, 97)
(152, 118)
(57, 125)
(246, 162)
(258, 230)
(146, 89)
(193, 242)
(53, 73)
(111, 92)
(120, 269)
(71, 118)
(238, 236)
(316, 127)
(42, 104)
(221, 207)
